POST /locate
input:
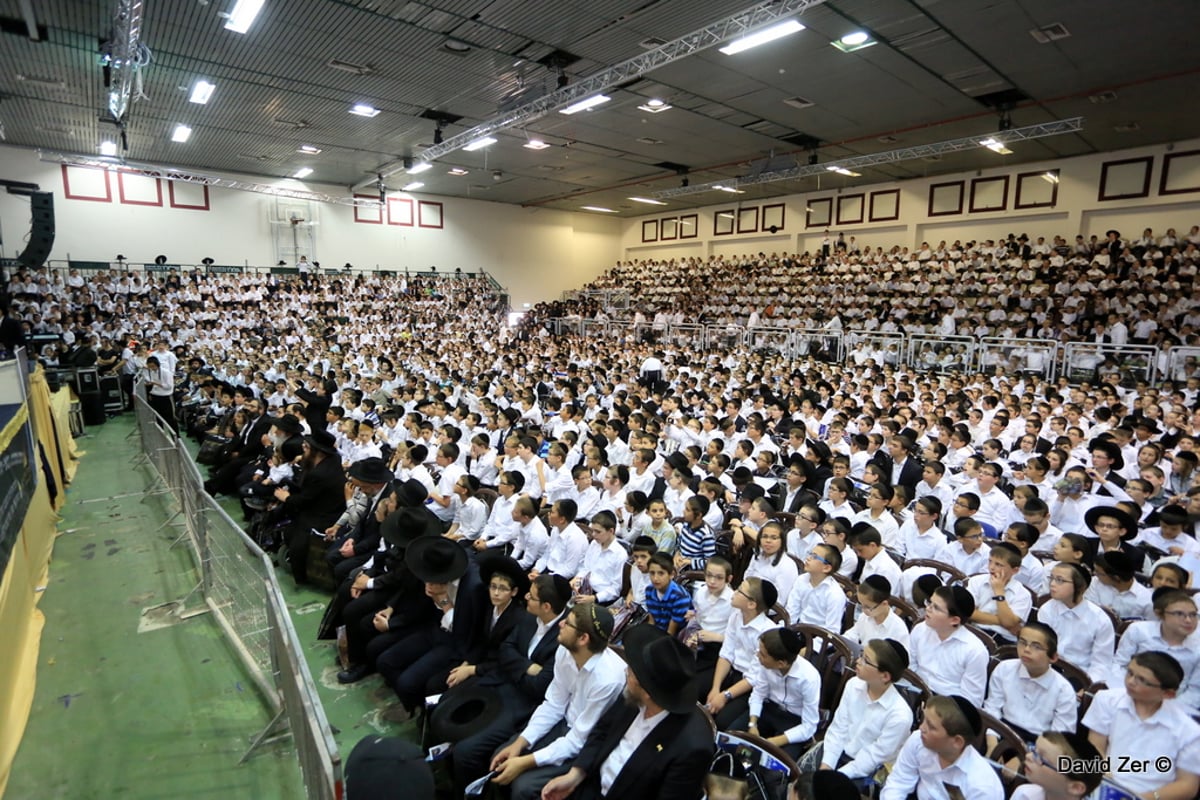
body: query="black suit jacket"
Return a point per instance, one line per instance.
(669, 764)
(321, 498)
(778, 497)
(910, 473)
(513, 662)
(249, 445)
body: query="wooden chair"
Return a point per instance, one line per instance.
(905, 610)
(786, 518)
(778, 788)
(488, 496)
(947, 572)
(915, 692)
(1009, 743)
(831, 655)
(987, 640)
(779, 614)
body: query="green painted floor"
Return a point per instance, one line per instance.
(168, 712)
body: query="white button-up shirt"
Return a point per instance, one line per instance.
(1133, 603)
(603, 567)
(796, 692)
(1169, 733)
(714, 611)
(954, 665)
(1044, 703)
(822, 604)
(578, 695)
(1142, 636)
(740, 647)
(1016, 595)
(918, 767)
(865, 629)
(870, 731)
(641, 727)
(1085, 635)
(564, 555)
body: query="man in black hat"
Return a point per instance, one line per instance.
(1106, 460)
(655, 744)
(318, 502)
(518, 683)
(246, 447)
(355, 536)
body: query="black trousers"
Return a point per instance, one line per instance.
(164, 405)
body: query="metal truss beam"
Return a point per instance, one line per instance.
(187, 176)
(735, 25)
(889, 157)
(124, 56)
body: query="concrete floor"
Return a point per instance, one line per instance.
(168, 712)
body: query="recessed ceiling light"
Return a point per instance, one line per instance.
(181, 134)
(654, 106)
(303, 172)
(242, 17)
(349, 66)
(458, 171)
(456, 46)
(769, 34)
(412, 187)
(647, 201)
(108, 148)
(308, 148)
(585, 104)
(202, 92)
(856, 38)
(419, 167)
(535, 144)
(599, 208)
(480, 143)
(364, 110)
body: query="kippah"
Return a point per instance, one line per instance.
(791, 641)
(970, 712)
(645, 541)
(963, 601)
(770, 595)
(901, 652)
(879, 583)
(562, 587)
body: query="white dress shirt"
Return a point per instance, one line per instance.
(885, 523)
(1044, 703)
(564, 554)
(740, 647)
(641, 727)
(713, 611)
(1133, 603)
(1085, 635)
(954, 665)
(603, 568)
(865, 629)
(782, 575)
(821, 605)
(532, 540)
(928, 544)
(471, 518)
(882, 564)
(870, 731)
(1169, 732)
(500, 528)
(796, 692)
(917, 767)
(1015, 594)
(1142, 636)
(578, 695)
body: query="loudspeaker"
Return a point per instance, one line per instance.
(89, 381)
(41, 230)
(92, 406)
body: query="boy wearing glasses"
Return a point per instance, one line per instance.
(1047, 781)
(815, 598)
(1026, 693)
(729, 691)
(806, 533)
(966, 552)
(877, 620)
(1135, 725)
(948, 658)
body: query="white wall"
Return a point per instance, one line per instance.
(535, 253)
(1077, 209)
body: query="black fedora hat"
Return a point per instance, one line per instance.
(493, 562)
(1110, 449)
(288, 424)
(1126, 521)
(433, 559)
(463, 711)
(370, 470)
(663, 666)
(405, 525)
(377, 765)
(411, 493)
(322, 441)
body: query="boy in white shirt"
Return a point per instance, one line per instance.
(940, 755)
(1047, 781)
(877, 620)
(816, 598)
(1027, 693)
(712, 606)
(1002, 603)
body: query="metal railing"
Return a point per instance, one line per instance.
(237, 582)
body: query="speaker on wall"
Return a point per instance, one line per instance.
(41, 230)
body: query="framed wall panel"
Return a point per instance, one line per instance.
(772, 217)
(819, 213)
(946, 199)
(400, 212)
(1125, 178)
(1180, 173)
(884, 206)
(139, 190)
(429, 214)
(649, 230)
(723, 222)
(368, 215)
(747, 220)
(689, 226)
(92, 185)
(668, 228)
(989, 194)
(1036, 190)
(850, 209)
(189, 196)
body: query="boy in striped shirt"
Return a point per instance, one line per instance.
(667, 602)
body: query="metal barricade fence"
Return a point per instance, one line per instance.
(823, 344)
(927, 351)
(886, 347)
(238, 583)
(1084, 361)
(692, 335)
(1182, 363)
(1026, 356)
(726, 336)
(772, 340)
(595, 329)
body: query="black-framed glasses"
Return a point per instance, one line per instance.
(1138, 680)
(1190, 616)
(1038, 757)
(1037, 647)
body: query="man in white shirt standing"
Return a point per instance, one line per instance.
(587, 678)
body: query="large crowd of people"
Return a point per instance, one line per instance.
(885, 570)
